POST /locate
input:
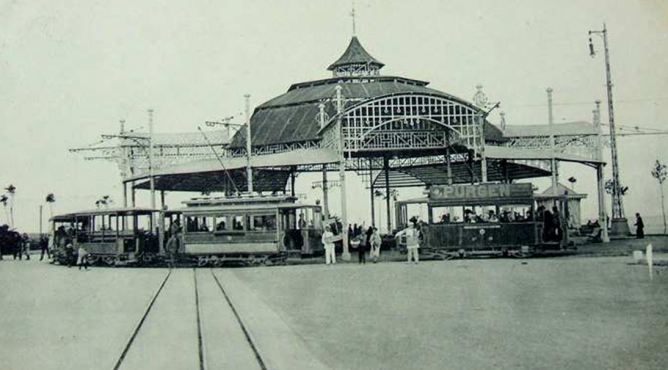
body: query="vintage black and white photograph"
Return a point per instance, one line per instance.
(333, 184)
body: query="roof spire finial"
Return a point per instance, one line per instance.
(352, 15)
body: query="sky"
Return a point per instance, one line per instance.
(70, 70)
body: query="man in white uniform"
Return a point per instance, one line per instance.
(328, 242)
(412, 241)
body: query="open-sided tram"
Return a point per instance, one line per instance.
(483, 219)
(112, 236)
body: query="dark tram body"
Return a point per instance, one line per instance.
(484, 219)
(111, 236)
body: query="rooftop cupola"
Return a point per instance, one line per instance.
(356, 61)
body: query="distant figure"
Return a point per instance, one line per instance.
(82, 261)
(558, 229)
(361, 249)
(548, 229)
(640, 227)
(44, 247)
(302, 222)
(69, 253)
(375, 242)
(328, 242)
(412, 242)
(25, 246)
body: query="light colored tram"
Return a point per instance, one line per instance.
(250, 229)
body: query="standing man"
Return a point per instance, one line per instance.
(640, 227)
(44, 246)
(375, 242)
(328, 242)
(25, 246)
(412, 242)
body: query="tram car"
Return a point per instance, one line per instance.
(10, 241)
(250, 229)
(483, 219)
(113, 236)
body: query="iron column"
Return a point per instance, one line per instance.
(249, 169)
(345, 255)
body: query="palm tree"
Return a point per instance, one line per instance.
(11, 189)
(50, 198)
(105, 200)
(3, 200)
(659, 173)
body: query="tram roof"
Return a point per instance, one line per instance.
(106, 211)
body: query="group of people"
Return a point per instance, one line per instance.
(370, 240)
(19, 245)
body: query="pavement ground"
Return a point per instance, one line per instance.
(548, 313)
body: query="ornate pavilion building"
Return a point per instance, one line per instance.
(396, 131)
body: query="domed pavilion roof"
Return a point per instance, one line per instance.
(291, 117)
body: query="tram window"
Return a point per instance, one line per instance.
(100, 223)
(111, 223)
(237, 222)
(127, 223)
(221, 223)
(262, 223)
(144, 223)
(192, 224)
(206, 224)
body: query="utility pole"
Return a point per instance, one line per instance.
(553, 161)
(619, 225)
(249, 169)
(150, 157)
(600, 186)
(40, 220)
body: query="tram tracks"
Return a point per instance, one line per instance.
(210, 302)
(141, 322)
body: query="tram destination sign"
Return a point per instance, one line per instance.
(481, 192)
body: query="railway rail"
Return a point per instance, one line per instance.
(202, 323)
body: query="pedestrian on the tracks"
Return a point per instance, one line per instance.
(44, 247)
(640, 227)
(172, 249)
(328, 242)
(82, 260)
(361, 249)
(375, 242)
(69, 253)
(412, 242)
(25, 246)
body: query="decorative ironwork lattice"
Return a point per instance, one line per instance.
(408, 122)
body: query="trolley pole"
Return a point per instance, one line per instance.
(345, 255)
(249, 169)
